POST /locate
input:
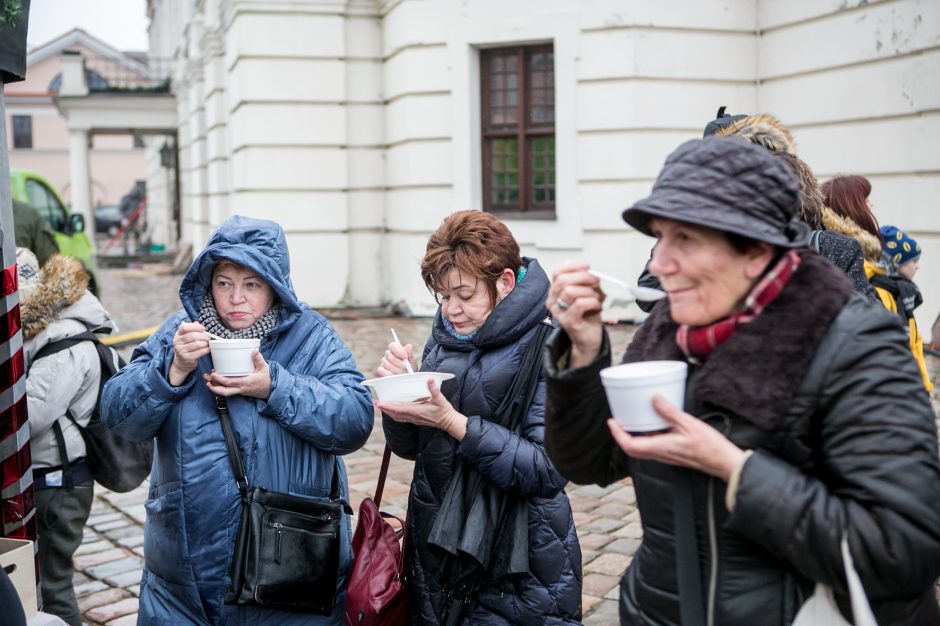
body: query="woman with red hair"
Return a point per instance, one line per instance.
(850, 214)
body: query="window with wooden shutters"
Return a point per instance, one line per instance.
(518, 128)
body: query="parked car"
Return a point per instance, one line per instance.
(33, 189)
(108, 219)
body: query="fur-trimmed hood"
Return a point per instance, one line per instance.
(61, 296)
(764, 130)
(871, 247)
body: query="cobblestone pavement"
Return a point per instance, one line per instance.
(109, 561)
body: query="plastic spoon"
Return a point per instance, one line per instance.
(407, 362)
(213, 335)
(646, 294)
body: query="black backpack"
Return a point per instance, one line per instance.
(116, 463)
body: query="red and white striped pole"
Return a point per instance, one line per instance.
(17, 501)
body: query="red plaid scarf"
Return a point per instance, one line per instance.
(697, 342)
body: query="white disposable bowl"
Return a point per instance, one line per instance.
(232, 357)
(405, 387)
(630, 388)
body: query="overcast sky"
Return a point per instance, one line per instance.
(120, 23)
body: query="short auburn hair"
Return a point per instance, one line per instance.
(473, 243)
(847, 195)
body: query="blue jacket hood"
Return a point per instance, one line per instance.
(259, 245)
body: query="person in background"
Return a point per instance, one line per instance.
(767, 132)
(33, 232)
(301, 408)
(55, 304)
(850, 213)
(804, 421)
(492, 307)
(842, 250)
(894, 281)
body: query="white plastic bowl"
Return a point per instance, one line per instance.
(405, 387)
(232, 357)
(630, 388)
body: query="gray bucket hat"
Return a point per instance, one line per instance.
(729, 185)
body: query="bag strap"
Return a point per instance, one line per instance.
(518, 397)
(861, 608)
(688, 568)
(814, 240)
(383, 473)
(235, 457)
(688, 572)
(63, 455)
(62, 344)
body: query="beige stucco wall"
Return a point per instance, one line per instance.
(114, 163)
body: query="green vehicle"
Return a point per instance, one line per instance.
(33, 189)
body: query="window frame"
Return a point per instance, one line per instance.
(18, 142)
(50, 208)
(524, 132)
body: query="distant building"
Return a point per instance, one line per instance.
(360, 124)
(38, 135)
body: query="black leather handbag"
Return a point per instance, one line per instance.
(287, 549)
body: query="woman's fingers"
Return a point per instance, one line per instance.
(689, 443)
(436, 395)
(574, 292)
(394, 358)
(669, 411)
(399, 351)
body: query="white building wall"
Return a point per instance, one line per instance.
(859, 87)
(303, 100)
(355, 123)
(365, 139)
(627, 92)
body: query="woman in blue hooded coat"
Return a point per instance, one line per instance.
(492, 309)
(293, 416)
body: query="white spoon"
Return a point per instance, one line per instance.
(407, 362)
(646, 294)
(213, 335)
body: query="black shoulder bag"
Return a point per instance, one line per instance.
(287, 548)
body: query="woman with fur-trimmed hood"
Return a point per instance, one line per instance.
(55, 304)
(834, 239)
(837, 246)
(848, 211)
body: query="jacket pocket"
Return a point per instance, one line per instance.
(165, 544)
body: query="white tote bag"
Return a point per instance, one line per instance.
(821, 609)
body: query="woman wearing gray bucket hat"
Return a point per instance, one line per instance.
(804, 421)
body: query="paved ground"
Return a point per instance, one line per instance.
(109, 561)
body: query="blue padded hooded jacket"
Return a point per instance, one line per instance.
(316, 411)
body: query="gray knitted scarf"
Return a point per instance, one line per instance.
(209, 317)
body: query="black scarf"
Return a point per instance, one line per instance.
(905, 293)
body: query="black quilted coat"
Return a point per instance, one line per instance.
(822, 388)
(484, 368)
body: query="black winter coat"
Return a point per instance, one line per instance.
(844, 252)
(822, 388)
(484, 367)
